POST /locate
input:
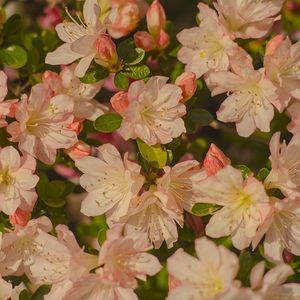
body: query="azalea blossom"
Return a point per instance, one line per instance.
(282, 230)
(150, 213)
(154, 112)
(124, 257)
(270, 285)
(85, 107)
(5, 106)
(17, 181)
(177, 184)
(42, 124)
(283, 69)
(207, 47)
(97, 286)
(249, 103)
(245, 205)
(284, 158)
(210, 276)
(5, 289)
(80, 264)
(294, 113)
(111, 182)
(248, 19)
(80, 39)
(31, 250)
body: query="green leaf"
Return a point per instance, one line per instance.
(246, 172)
(14, 56)
(200, 117)
(129, 53)
(94, 74)
(12, 25)
(108, 123)
(204, 209)
(41, 292)
(246, 264)
(263, 174)
(25, 295)
(102, 236)
(121, 81)
(49, 39)
(136, 72)
(54, 189)
(153, 154)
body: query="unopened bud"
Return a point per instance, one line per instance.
(120, 102)
(106, 51)
(156, 18)
(79, 150)
(188, 84)
(144, 40)
(20, 217)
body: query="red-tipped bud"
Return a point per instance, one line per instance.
(79, 150)
(215, 160)
(120, 102)
(76, 126)
(144, 40)
(20, 217)
(156, 18)
(187, 81)
(162, 40)
(106, 51)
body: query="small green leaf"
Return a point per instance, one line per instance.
(200, 117)
(41, 292)
(129, 53)
(263, 174)
(94, 74)
(153, 154)
(49, 39)
(136, 72)
(246, 264)
(108, 123)
(14, 56)
(102, 236)
(121, 81)
(204, 209)
(25, 295)
(246, 172)
(54, 189)
(12, 25)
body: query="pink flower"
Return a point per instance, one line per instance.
(111, 182)
(42, 124)
(273, 44)
(250, 99)
(187, 81)
(294, 113)
(5, 289)
(79, 39)
(154, 112)
(210, 276)
(85, 107)
(270, 285)
(150, 213)
(79, 150)
(124, 16)
(17, 181)
(31, 250)
(245, 205)
(177, 184)
(282, 230)
(50, 18)
(124, 258)
(97, 286)
(5, 106)
(283, 69)
(207, 47)
(248, 19)
(20, 217)
(285, 166)
(120, 102)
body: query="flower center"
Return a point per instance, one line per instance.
(5, 177)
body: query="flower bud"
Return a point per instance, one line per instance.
(106, 51)
(144, 40)
(162, 40)
(76, 126)
(79, 150)
(273, 44)
(156, 18)
(20, 217)
(188, 84)
(120, 102)
(215, 160)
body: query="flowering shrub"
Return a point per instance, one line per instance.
(147, 158)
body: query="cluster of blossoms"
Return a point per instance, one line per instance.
(147, 199)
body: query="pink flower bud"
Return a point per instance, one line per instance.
(273, 44)
(144, 40)
(76, 126)
(215, 160)
(20, 217)
(162, 40)
(156, 18)
(106, 51)
(187, 81)
(120, 102)
(67, 172)
(51, 18)
(79, 150)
